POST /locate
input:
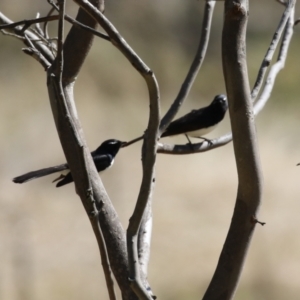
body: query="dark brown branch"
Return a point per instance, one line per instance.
(194, 69)
(227, 273)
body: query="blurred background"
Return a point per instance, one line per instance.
(47, 247)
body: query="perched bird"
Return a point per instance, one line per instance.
(103, 158)
(198, 122)
(201, 121)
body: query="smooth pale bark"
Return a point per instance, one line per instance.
(227, 273)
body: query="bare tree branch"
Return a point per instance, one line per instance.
(80, 25)
(194, 148)
(106, 266)
(145, 194)
(258, 106)
(194, 69)
(33, 37)
(45, 29)
(149, 148)
(116, 39)
(57, 92)
(28, 23)
(227, 273)
(87, 181)
(192, 73)
(130, 267)
(144, 239)
(271, 50)
(37, 55)
(279, 65)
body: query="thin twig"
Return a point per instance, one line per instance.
(46, 35)
(116, 39)
(194, 69)
(60, 43)
(194, 148)
(16, 31)
(19, 37)
(28, 23)
(48, 42)
(37, 26)
(37, 55)
(78, 24)
(279, 65)
(271, 50)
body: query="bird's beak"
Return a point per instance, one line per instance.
(123, 144)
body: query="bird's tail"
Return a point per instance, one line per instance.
(40, 173)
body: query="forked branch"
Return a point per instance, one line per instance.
(266, 88)
(195, 66)
(149, 148)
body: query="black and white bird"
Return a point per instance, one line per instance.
(103, 158)
(198, 122)
(201, 121)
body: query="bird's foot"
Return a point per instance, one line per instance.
(189, 142)
(210, 142)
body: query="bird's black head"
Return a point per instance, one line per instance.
(111, 146)
(221, 102)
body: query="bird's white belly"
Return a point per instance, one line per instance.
(112, 162)
(201, 132)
